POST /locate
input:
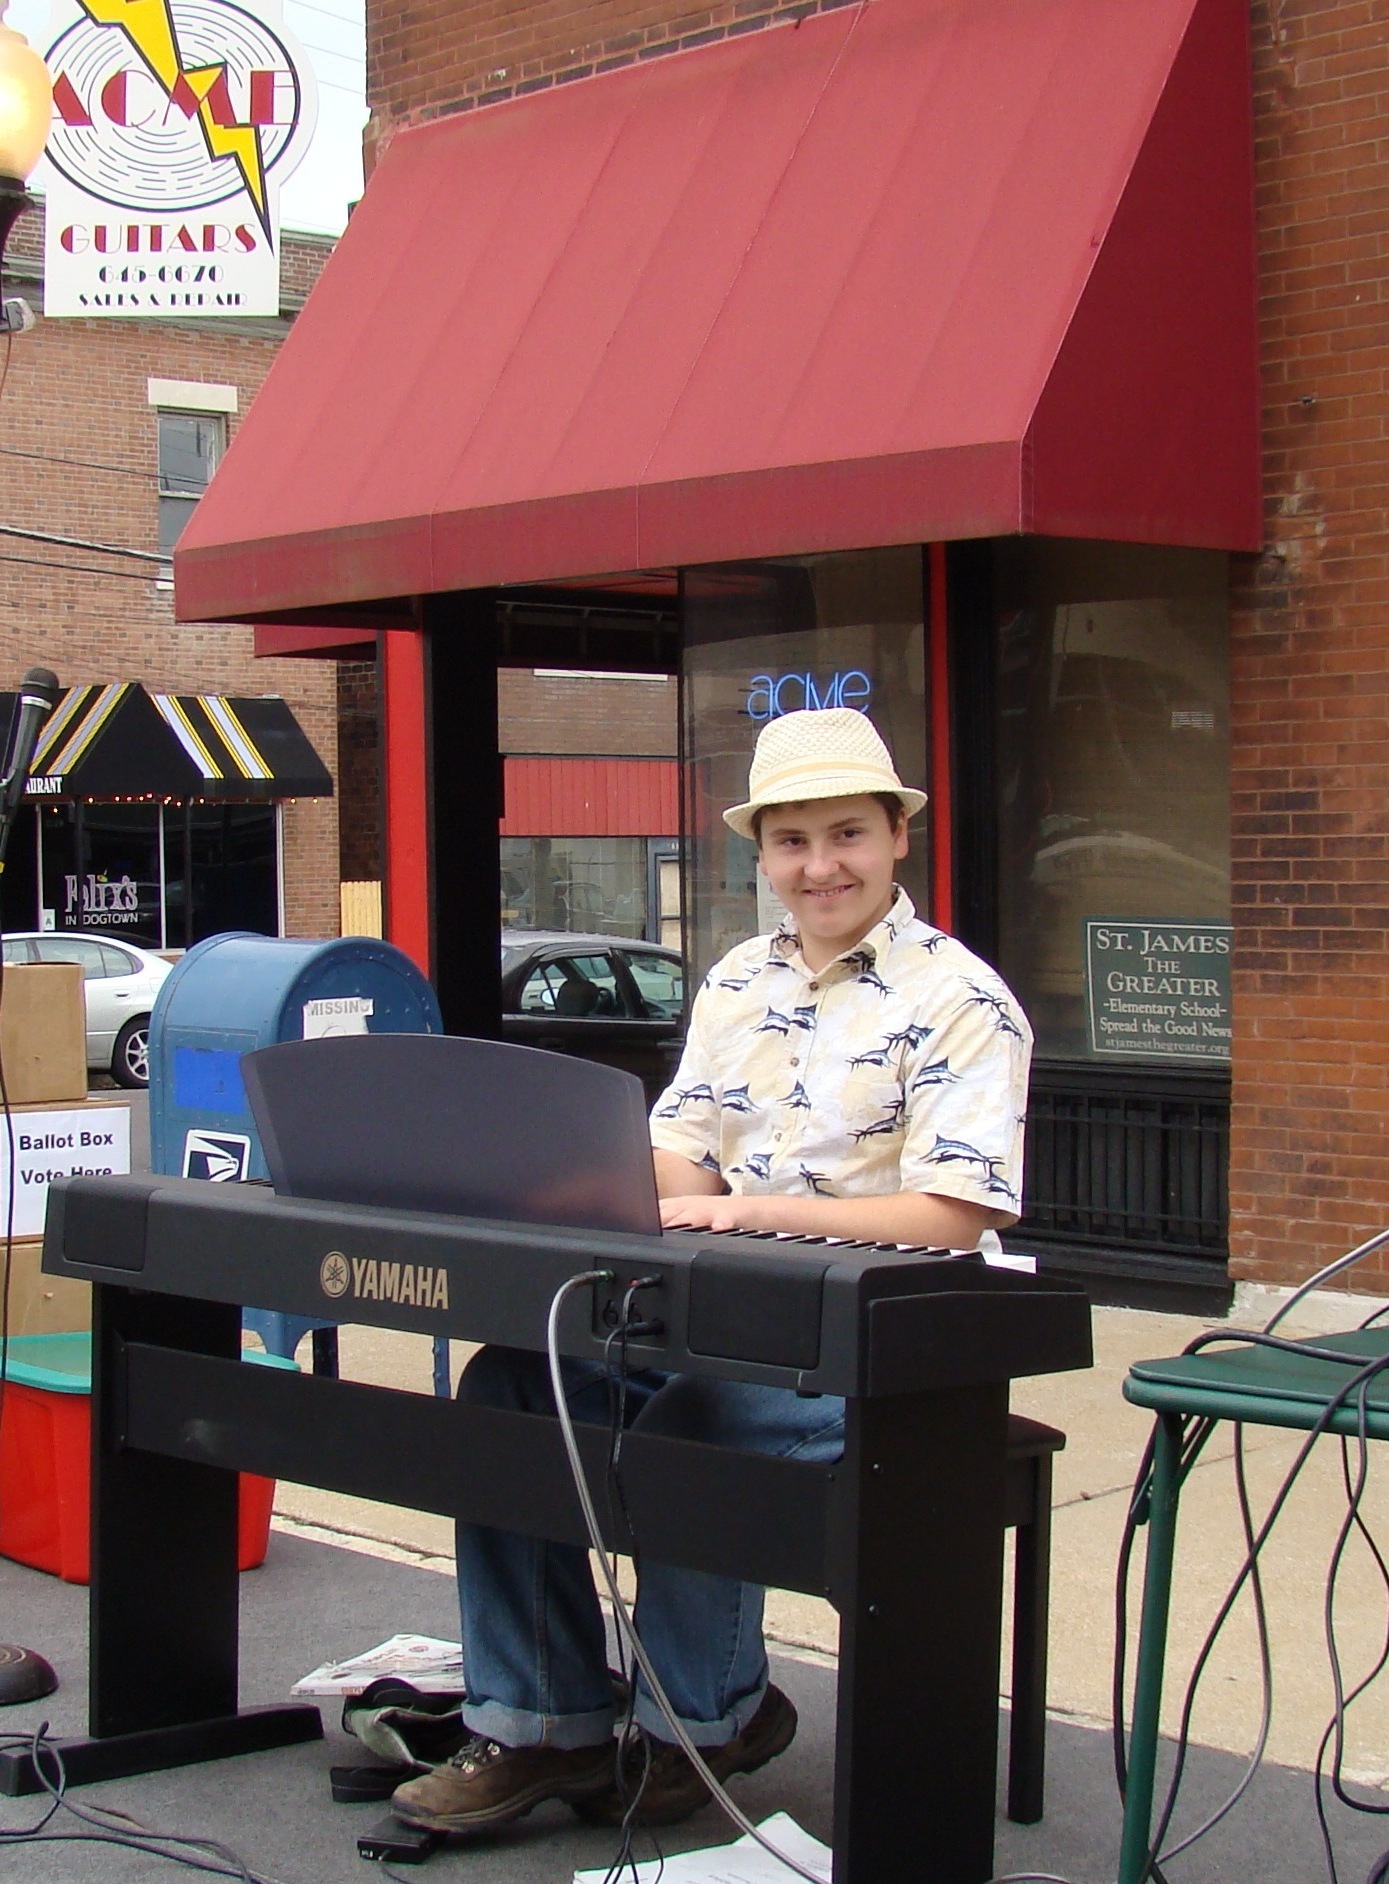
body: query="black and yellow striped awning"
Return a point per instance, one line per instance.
(120, 741)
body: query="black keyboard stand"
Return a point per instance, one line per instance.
(905, 1536)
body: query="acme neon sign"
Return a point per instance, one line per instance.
(770, 695)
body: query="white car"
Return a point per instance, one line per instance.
(120, 983)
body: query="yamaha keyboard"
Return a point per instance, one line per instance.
(904, 1534)
(817, 1315)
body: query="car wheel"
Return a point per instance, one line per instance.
(130, 1062)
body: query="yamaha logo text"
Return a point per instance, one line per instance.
(365, 1279)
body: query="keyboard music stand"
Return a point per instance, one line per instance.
(1254, 1386)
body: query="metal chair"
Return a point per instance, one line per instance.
(1256, 1386)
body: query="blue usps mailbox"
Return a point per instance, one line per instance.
(236, 992)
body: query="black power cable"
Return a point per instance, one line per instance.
(28, 1675)
(629, 1736)
(105, 1825)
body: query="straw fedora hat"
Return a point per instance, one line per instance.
(825, 752)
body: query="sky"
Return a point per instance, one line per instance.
(330, 177)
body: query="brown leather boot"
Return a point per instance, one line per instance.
(673, 1789)
(487, 1784)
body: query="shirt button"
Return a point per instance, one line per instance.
(795, 1060)
(814, 987)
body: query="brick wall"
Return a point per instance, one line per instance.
(542, 713)
(1309, 1170)
(361, 837)
(429, 57)
(78, 448)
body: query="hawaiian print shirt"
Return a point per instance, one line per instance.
(901, 1066)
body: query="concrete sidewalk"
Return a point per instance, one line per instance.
(1093, 1483)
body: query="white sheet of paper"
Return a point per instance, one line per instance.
(345, 1014)
(89, 1141)
(743, 1862)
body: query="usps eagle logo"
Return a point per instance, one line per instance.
(219, 1157)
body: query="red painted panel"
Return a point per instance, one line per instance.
(332, 642)
(574, 797)
(408, 890)
(915, 271)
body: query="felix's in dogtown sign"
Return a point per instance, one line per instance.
(174, 124)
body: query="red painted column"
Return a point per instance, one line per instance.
(938, 667)
(406, 772)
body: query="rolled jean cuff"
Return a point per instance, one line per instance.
(704, 1733)
(517, 1727)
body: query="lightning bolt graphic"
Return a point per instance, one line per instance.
(149, 26)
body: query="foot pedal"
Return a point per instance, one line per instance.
(353, 1785)
(397, 1843)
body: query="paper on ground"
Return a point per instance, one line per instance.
(431, 1664)
(743, 1862)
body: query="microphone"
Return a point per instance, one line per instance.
(38, 695)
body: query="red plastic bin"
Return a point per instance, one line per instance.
(45, 1460)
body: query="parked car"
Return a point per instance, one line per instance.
(601, 997)
(120, 983)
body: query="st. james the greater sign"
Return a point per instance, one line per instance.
(174, 124)
(1159, 989)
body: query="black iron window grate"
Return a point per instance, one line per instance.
(1142, 1169)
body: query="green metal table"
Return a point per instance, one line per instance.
(1250, 1385)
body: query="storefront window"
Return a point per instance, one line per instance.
(231, 872)
(594, 884)
(1113, 791)
(116, 891)
(160, 876)
(762, 639)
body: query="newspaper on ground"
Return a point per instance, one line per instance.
(743, 1862)
(432, 1665)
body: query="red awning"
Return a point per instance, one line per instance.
(914, 270)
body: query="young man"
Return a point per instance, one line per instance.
(856, 1074)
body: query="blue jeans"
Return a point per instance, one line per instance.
(534, 1647)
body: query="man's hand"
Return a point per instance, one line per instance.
(717, 1213)
(913, 1217)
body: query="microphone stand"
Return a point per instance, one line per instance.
(25, 1675)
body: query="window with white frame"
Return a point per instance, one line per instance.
(190, 445)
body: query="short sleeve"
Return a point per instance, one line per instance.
(965, 1089)
(685, 1119)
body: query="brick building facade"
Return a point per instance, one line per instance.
(1302, 850)
(1310, 654)
(85, 592)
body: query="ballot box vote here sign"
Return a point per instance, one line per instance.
(87, 1141)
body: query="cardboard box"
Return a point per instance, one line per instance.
(40, 1304)
(43, 1033)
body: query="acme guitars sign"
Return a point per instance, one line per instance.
(175, 122)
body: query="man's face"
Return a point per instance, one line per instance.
(831, 862)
